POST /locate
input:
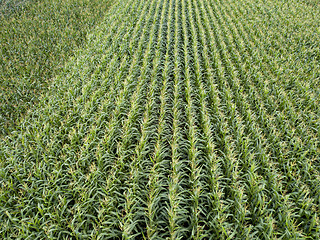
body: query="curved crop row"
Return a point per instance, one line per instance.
(189, 119)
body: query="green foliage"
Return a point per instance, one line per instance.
(193, 119)
(37, 38)
(8, 7)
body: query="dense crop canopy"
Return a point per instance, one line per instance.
(181, 119)
(36, 38)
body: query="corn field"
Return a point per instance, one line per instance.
(180, 119)
(37, 37)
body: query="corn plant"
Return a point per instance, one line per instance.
(191, 119)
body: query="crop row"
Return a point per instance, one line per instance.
(190, 119)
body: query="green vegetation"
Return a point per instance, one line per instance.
(36, 39)
(180, 119)
(9, 6)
